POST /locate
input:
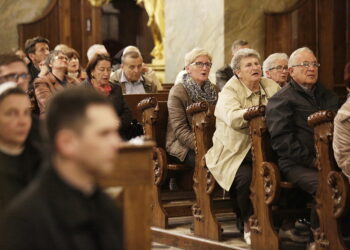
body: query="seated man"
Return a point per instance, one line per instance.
(131, 77)
(19, 157)
(225, 73)
(64, 208)
(275, 67)
(286, 115)
(36, 49)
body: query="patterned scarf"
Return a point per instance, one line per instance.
(197, 94)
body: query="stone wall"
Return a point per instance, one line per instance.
(213, 25)
(14, 12)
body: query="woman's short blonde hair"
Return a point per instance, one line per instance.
(243, 53)
(191, 56)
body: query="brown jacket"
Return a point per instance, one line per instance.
(341, 139)
(48, 85)
(180, 138)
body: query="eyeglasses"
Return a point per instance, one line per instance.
(61, 58)
(308, 64)
(14, 77)
(201, 64)
(279, 68)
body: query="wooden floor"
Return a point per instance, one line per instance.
(179, 236)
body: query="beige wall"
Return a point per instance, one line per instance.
(214, 24)
(14, 12)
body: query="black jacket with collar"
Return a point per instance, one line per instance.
(50, 214)
(286, 116)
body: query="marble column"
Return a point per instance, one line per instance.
(214, 25)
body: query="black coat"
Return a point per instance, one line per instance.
(223, 75)
(53, 215)
(286, 115)
(122, 109)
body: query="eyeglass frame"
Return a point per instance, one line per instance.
(15, 77)
(201, 64)
(279, 68)
(308, 64)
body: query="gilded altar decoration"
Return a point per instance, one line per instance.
(155, 11)
(98, 3)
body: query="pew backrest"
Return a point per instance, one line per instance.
(133, 100)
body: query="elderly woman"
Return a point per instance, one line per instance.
(54, 80)
(195, 87)
(74, 68)
(275, 67)
(99, 70)
(229, 160)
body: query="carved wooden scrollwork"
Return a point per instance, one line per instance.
(159, 166)
(210, 181)
(321, 238)
(321, 117)
(254, 111)
(197, 212)
(271, 180)
(340, 193)
(254, 225)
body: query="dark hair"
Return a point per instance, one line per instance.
(12, 91)
(70, 53)
(8, 58)
(29, 46)
(94, 61)
(67, 109)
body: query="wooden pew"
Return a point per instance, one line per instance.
(266, 182)
(332, 195)
(134, 99)
(165, 203)
(130, 184)
(206, 224)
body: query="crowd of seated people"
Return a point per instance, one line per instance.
(83, 113)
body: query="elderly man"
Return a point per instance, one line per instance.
(275, 67)
(96, 49)
(64, 208)
(286, 116)
(225, 73)
(131, 77)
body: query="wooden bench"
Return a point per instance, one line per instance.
(133, 100)
(165, 203)
(207, 202)
(130, 186)
(332, 195)
(266, 182)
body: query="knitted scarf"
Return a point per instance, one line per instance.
(207, 93)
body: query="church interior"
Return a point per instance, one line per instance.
(165, 204)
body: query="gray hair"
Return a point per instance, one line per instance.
(243, 53)
(293, 56)
(50, 58)
(133, 54)
(191, 56)
(271, 59)
(96, 49)
(237, 44)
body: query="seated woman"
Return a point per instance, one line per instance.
(19, 155)
(98, 71)
(195, 87)
(229, 160)
(54, 80)
(74, 69)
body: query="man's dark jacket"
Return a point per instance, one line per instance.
(286, 115)
(53, 215)
(223, 75)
